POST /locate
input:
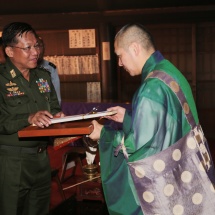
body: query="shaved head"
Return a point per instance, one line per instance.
(134, 33)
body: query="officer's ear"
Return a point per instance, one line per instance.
(9, 51)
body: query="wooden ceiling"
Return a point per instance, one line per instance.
(69, 6)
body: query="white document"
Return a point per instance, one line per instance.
(82, 116)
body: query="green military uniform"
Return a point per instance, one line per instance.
(24, 164)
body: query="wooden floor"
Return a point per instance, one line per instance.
(71, 206)
(86, 207)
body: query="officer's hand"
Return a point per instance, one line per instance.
(40, 118)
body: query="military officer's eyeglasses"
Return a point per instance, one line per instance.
(28, 48)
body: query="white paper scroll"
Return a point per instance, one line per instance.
(82, 38)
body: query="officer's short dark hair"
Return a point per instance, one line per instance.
(13, 29)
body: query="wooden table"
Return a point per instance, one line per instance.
(59, 129)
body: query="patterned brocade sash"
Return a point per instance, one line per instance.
(179, 180)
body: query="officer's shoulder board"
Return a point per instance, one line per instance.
(52, 65)
(44, 69)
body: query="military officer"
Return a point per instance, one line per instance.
(27, 97)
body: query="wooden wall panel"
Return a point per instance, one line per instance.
(57, 43)
(174, 42)
(206, 66)
(74, 91)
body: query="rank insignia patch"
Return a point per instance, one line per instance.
(13, 90)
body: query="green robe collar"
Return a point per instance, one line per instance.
(150, 64)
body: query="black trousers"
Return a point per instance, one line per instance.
(25, 181)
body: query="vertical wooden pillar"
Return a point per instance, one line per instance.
(194, 61)
(107, 63)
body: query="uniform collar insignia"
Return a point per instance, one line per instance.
(13, 73)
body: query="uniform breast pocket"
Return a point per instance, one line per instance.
(16, 100)
(46, 96)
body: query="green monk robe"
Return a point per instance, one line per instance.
(155, 122)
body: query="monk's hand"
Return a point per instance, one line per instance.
(95, 135)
